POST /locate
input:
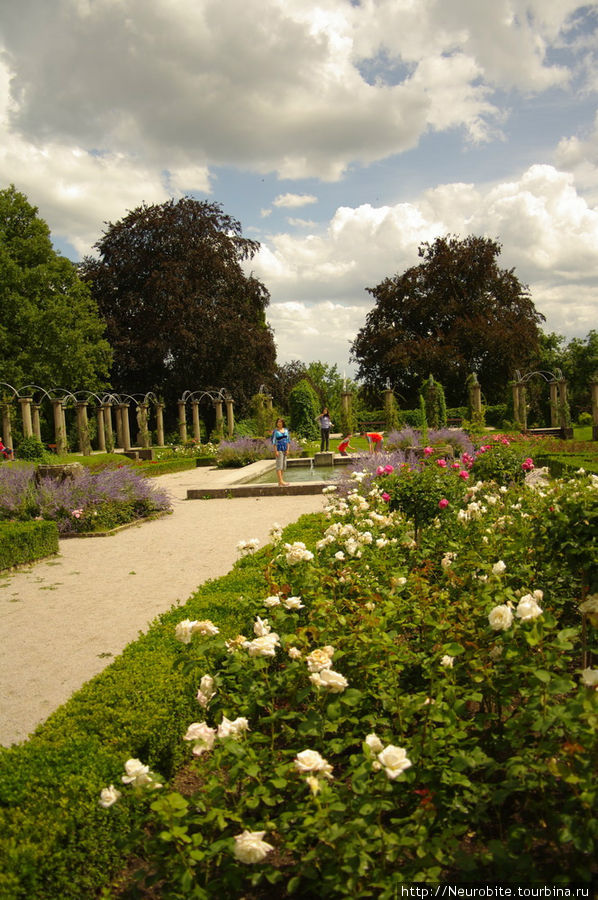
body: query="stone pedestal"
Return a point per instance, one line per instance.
(325, 458)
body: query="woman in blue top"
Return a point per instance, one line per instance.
(280, 439)
(325, 424)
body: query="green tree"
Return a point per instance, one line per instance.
(455, 313)
(181, 312)
(304, 407)
(51, 333)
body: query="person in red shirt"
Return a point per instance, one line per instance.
(344, 445)
(374, 440)
(6, 452)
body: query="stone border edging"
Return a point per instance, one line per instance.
(100, 534)
(257, 490)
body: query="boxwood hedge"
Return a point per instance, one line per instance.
(24, 542)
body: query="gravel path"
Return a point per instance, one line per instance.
(62, 620)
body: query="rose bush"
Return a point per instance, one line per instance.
(459, 742)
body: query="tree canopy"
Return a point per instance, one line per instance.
(454, 314)
(50, 331)
(181, 312)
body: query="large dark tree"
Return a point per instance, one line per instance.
(50, 330)
(455, 313)
(181, 312)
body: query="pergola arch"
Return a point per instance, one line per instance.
(218, 397)
(559, 417)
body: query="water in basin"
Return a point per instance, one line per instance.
(300, 473)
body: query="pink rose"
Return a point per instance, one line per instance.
(428, 450)
(456, 465)
(441, 463)
(464, 474)
(528, 464)
(385, 497)
(380, 470)
(388, 469)
(442, 504)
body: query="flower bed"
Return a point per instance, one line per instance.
(246, 450)
(397, 712)
(88, 502)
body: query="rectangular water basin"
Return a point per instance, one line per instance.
(295, 474)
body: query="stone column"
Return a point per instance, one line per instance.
(119, 426)
(83, 429)
(37, 430)
(64, 431)
(563, 401)
(196, 425)
(522, 407)
(59, 431)
(160, 424)
(108, 429)
(230, 417)
(475, 395)
(101, 432)
(146, 437)
(554, 404)
(219, 418)
(182, 421)
(594, 389)
(25, 403)
(6, 425)
(515, 388)
(124, 412)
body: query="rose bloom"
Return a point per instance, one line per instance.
(589, 677)
(235, 643)
(428, 451)
(293, 603)
(294, 653)
(319, 659)
(250, 847)
(499, 568)
(441, 463)
(261, 627)
(109, 796)
(232, 729)
(374, 743)
(447, 661)
(203, 735)
(205, 627)
(394, 759)
(273, 600)
(527, 609)
(137, 773)
(311, 761)
(331, 681)
(206, 690)
(464, 474)
(500, 618)
(184, 630)
(442, 504)
(263, 646)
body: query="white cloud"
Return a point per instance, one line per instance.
(548, 234)
(271, 86)
(293, 201)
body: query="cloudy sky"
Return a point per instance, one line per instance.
(341, 133)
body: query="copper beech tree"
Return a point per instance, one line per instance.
(454, 314)
(181, 312)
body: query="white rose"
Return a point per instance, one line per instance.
(500, 618)
(340, 555)
(232, 729)
(261, 627)
(203, 735)
(294, 603)
(374, 743)
(527, 609)
(294, 653)
(499, 568)
(394, 759)
(447, 661)
(109, 796)
(319, 659)
(589, 677)
(311, 761)
(206, 690)
(250, 847)
(137, 773)
(184, 630)
(263, 646)
(332, 681)
(205, 627)
(273, 600)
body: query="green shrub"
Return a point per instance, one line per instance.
(304, 408)
(24, 542)
(584, 419)
(432, 393)
(31, 448)
(501, 463)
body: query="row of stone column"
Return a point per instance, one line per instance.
(218, 406)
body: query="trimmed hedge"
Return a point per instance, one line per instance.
(56, 842)
(24, 542)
